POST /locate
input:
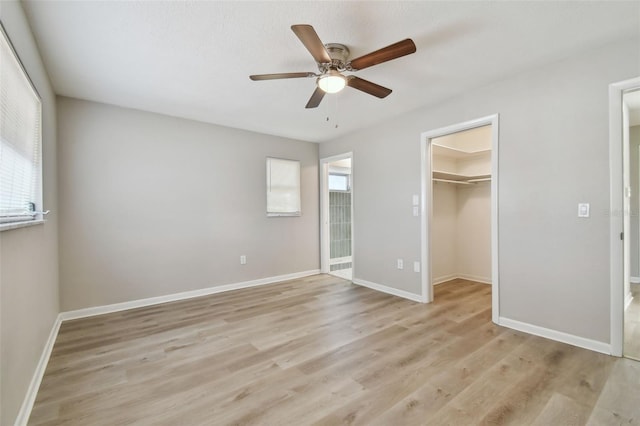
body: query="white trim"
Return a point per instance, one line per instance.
(427, 204)
(627, 300)
(17, 225)
(117, 307)
(443, 279)
(558, 336)
(389, 290)
(616, 223)
(38, 374)
(339, 260)
(635, 280)
(476, 278)
(426, 212)
(495, 272)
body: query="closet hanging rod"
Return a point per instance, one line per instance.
(479, 180)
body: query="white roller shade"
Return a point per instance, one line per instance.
(283, 187)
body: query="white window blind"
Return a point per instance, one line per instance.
(283, 187)
(20, 139)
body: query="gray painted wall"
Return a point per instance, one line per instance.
(153, 205)
(28, 256)
(554, 267)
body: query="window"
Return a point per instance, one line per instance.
(283, 187)
(20, 140)
(339, 182)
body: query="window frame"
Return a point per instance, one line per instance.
(37, 217)
(347, 176)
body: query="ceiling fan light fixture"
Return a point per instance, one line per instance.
(332, 82)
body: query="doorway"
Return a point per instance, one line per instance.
(624, 120)
(631, 141)
(336, 186)
(454, 157)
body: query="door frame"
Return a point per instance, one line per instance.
(617, 210)
(325, 252)
(426, 205)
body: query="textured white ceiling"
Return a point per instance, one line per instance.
(192, 59)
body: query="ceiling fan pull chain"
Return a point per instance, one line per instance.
(332, 107)
(336, 104)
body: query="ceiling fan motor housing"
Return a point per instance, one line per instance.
(339, 53)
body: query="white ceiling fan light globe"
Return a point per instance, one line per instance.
(332, 82)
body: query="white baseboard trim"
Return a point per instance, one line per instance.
(444, 279)
(390, 290)
(339, 260)
(476, 278)
(627, 300)
(634, 280)
(36, 379)
(117, 307)
(559, 336)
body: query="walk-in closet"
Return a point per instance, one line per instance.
(461, 196)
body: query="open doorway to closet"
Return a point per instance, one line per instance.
(460, 209)
(337, 212)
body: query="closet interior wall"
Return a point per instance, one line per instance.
(461, 221)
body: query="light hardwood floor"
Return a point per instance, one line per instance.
(321, 350)
(632, 325)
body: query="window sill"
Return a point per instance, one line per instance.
(15, 225)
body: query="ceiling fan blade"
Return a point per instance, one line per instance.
(368, 87)
(396, 50)
(259, 77)
(311, 41)
(316, 98)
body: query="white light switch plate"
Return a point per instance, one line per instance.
(583, 209)
(416, 211)
(416, 200)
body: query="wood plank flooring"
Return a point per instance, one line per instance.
(632, 325)
(323, 351)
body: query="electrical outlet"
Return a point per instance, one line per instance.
(416, 266)
(400, 264)
(243, 260)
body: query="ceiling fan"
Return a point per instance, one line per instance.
(333, 59)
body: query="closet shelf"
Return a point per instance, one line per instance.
(455, 152)
(446, 176)
(457, 182)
